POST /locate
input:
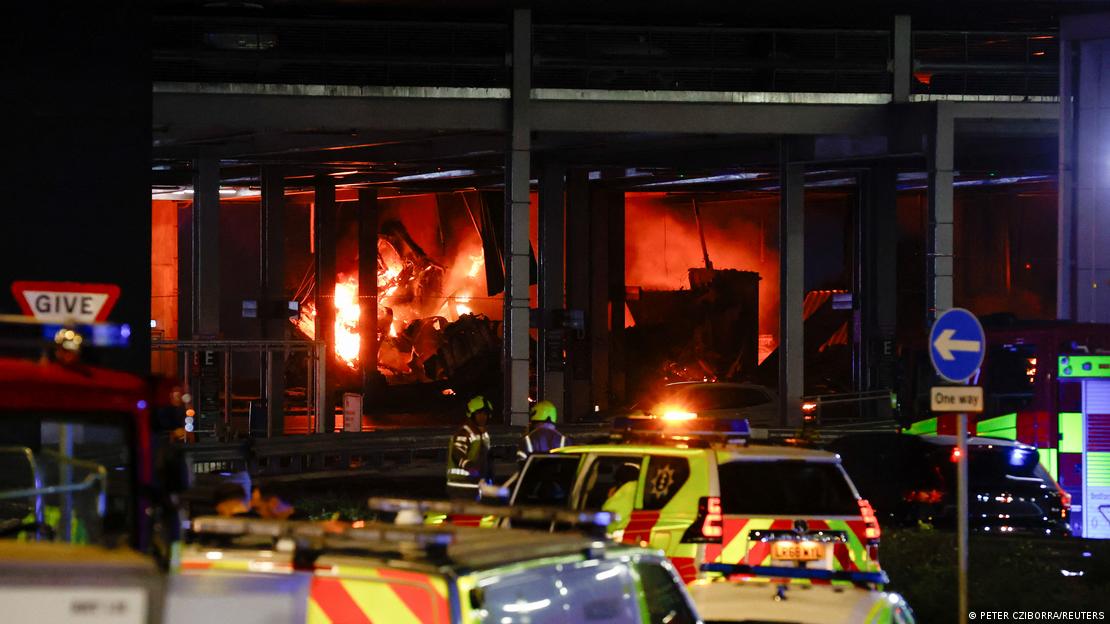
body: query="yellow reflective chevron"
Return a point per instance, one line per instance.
(352, 594)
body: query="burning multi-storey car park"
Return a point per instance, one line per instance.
(681, 284)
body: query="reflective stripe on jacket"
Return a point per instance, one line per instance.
(542, 439)
(468, 457)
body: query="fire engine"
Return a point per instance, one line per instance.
(1047, 385)
(79, 510)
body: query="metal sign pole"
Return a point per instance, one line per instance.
(957, 344)
(961, 514)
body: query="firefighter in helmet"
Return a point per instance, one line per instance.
(542, 436)
(468, 461)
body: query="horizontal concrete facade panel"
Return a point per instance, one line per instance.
(707, 118)
(182, 109)
(175, 112)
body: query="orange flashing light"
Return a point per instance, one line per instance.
(678, 415)
(809, 411)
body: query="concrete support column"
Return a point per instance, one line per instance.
(791, 287)
(939, 231)
(1083, 274)
(598, 316)
(517, 255)
(274, 325)
(368, 292)
(206, 248)
(578, 401)
(901, 59)
(550, 362)
(876, 293)
(324, 245)
(617, 367)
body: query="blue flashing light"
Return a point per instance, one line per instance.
(141, 404)
(97, 335)
(1018, 457)
(739, 426)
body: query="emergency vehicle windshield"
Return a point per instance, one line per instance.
(786, 487)
(65, 477)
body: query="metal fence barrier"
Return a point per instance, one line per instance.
(208, 375)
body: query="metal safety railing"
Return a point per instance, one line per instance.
(301, 457)
(846, 411)
(209, 375)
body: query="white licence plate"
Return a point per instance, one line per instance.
(797, 551)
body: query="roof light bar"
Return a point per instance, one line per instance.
(306, 531)
(683, 425)
(555, 515)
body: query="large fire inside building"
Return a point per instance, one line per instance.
(700, 287)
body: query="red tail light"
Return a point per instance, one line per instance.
(713, 525)
(955, 457)
(1065, 501)
(870, 521)
(708, 527)
(923, 496)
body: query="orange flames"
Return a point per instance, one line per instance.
(395, 314)
(347, 312)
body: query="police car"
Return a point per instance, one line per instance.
(737, 593)
(258, 571)
(696, 489)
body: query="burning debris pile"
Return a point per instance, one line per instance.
(427, 330)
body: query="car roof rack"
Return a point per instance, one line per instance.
(855, 577)
(593, 523)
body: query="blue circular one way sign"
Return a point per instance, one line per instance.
(957, 345)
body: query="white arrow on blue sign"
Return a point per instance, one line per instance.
(957, 345)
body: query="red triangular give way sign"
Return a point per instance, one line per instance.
(64, 302)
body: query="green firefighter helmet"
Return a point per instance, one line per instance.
(477, 404)
(544, 411)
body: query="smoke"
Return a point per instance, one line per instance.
(662, 243)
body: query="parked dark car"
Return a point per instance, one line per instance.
(910, 479)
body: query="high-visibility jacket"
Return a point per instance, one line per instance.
(52, 516)
(541, 439)
(621, 503)
(468, 460)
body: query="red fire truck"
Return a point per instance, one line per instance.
(79, 512)
(1046, 384)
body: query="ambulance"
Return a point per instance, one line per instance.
(698, 490)
(259, 571)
